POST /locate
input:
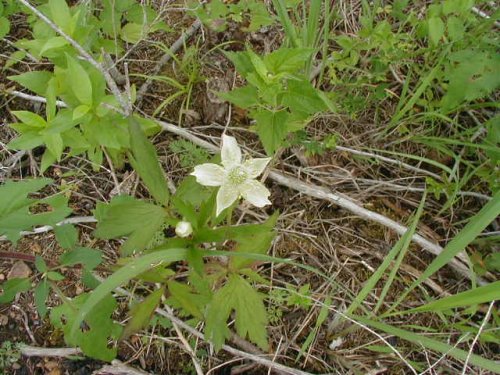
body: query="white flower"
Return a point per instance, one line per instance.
(234, 177)
(183, 229)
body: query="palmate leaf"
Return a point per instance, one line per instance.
(250, 313)
(472, 74)
(94, 336)
(126, 216)
(15, 207)
(271, 127)
(140, 314)
(120, 277)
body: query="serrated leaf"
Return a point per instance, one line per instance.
(120, 277)
(40, 295)
(66, 235)
(250, 313)
(272, 128)
(287, 60)
(126, 216)
(15, 214)
(243, 97)
(89, 258)
(13, 286)
(184, 297)
(94, 337)
(145, 162)
(140, 314)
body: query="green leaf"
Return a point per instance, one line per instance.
(241, 61)
(35, 81)
(47, 160)
(40, 295)
(15, 215)
(31, 119)
(250, 313)
(40, 264)
(120, 277)
(60, 14)
(13, 286)
(431, 344)
(89, 258)
(456, 28)
(272, 128)
(53, 43)
(26, 141)
(79, 81)
(132, 32)
(14, 58)
(140, 314)
(483, 294)
(4, 27)
(287, 60)
(473, 228)
(126, 216)
(99, 329)
(436, 29)
(54, 144)
(243, 97)
(55, 276)
(253, 239)
(182, 296)
(473, 74)
(80, 111)
(145, 162)
(66, 235)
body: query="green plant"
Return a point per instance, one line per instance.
(250, 14)
(9, 354)
(278, 95)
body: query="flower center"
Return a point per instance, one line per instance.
(237, 176)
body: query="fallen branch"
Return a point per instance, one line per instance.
(320, 193)
(115, 368)
(340, 200)
(257, 358)
(47, 228)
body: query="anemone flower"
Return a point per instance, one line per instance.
(235, 177)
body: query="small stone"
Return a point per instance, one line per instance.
(15, 366)
(19, 270)
(4, 320)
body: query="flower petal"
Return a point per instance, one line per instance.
(255, 167)
(230, 153)
(209, 174)
(255, 192)
(226, 196)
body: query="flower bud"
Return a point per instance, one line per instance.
(183, 229)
